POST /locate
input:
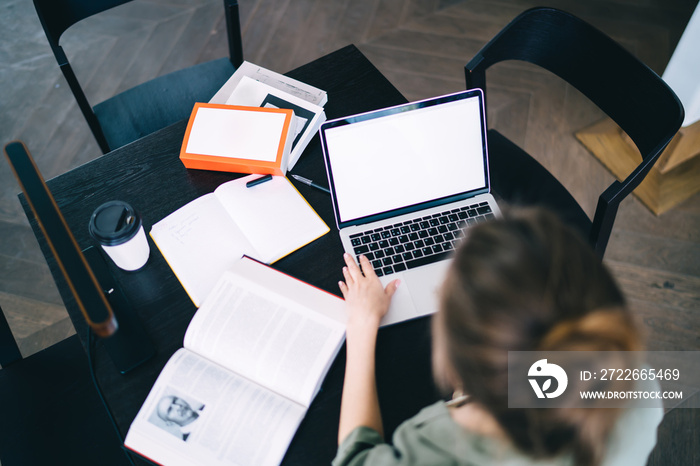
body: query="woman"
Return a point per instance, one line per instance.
(521, 283)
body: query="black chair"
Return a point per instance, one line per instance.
(51, 411)
(152, 105)
(629, 92)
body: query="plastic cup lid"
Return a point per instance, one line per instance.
(114, 223)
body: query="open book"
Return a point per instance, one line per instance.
(254, 357)
(206, 237)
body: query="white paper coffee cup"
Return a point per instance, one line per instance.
(117, 227)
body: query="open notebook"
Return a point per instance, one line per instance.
(206, 237)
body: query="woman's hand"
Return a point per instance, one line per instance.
(367, 301)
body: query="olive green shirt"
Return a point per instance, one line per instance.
(433, 438)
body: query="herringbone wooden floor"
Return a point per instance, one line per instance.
(421, 46)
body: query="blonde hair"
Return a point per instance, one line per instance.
(526, 282)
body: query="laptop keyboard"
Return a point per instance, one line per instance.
(423, 240)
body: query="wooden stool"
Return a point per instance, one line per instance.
(675, 176)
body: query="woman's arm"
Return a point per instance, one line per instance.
(366, 301)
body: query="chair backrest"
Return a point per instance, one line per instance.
(628, 91)
(107, 313)
(57, 16)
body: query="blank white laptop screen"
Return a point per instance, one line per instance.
(406, 158)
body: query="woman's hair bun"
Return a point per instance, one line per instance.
(600, 330)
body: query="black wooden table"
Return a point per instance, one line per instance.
(149, 175)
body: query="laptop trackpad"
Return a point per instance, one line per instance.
(418, 293)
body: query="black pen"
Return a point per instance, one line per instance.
(257, 181)
(311, 183)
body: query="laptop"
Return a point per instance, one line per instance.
(405, 182)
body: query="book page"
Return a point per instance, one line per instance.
(273, 216)
(274, 340)
(200, 413)
(200, 241)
